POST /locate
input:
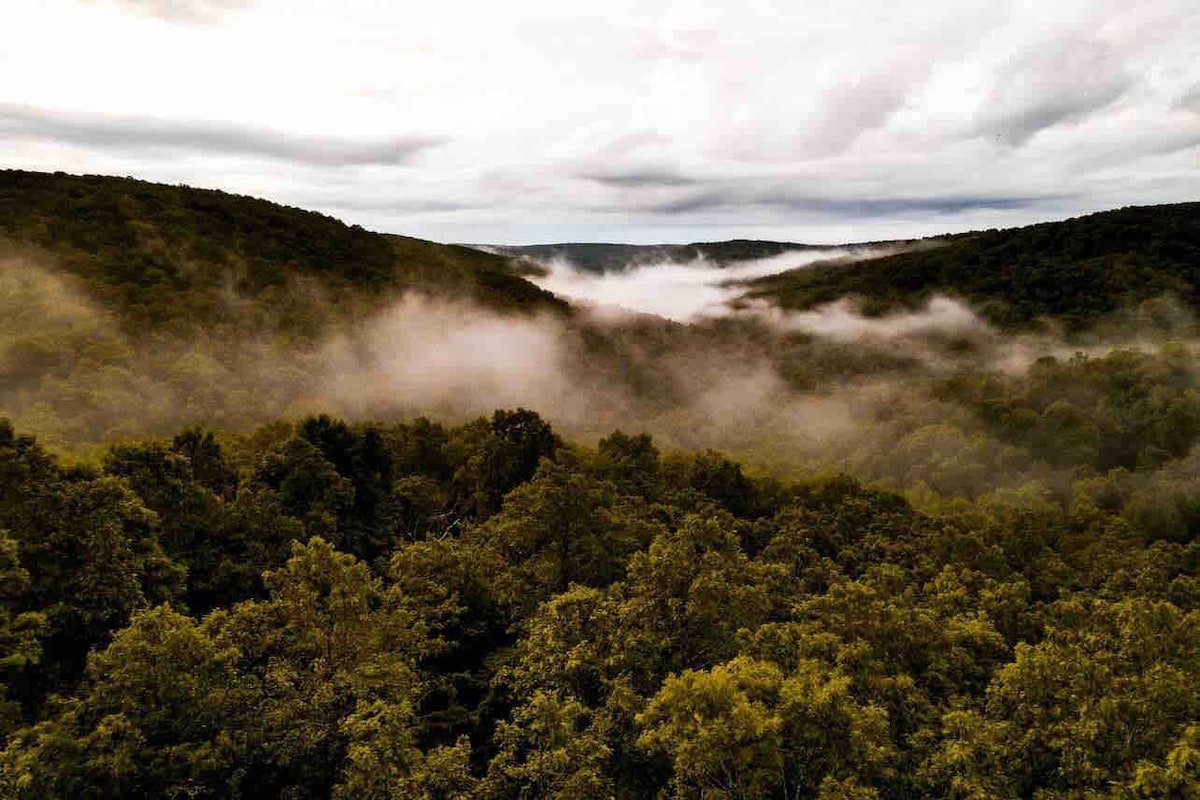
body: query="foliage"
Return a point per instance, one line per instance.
(331, 610)
(1077, 271)
(325, 608)
(167, 255)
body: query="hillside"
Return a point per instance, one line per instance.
(129, 307)
(1077, 271)
(173, 255)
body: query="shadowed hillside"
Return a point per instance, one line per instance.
(187, 257)
(1076, 271)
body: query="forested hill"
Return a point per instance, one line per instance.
(173, 254)
(1076, 271)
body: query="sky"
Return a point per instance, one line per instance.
(640, 121)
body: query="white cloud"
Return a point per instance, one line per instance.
(681, 291)
(182, 10)
(842, 321)
(636, 121)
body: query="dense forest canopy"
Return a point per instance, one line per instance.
(170, 255)
(1075, 271)
(258, 538)
(485, 611)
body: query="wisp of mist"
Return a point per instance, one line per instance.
(790, 391)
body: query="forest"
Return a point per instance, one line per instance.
(1077, 271)
(259, 539)
(414, 610)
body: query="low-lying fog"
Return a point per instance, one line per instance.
(680, 291)
(827, 388)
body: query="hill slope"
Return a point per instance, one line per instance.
(128, 307)
(1077, 271)
(172, 255)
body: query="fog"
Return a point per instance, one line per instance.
(788, 392)
(425, 354)
(71, 375)
(843, 321)
(680, 291)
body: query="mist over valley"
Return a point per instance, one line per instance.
(636, 400)
(252, 436)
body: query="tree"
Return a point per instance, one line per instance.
(719, 730)
(494, 458)
(549, 749)
(21, 633)
(565, 527)
(325, 653)
(160, 718)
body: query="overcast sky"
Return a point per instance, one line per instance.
(637, 120)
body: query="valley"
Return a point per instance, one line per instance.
(289, 508)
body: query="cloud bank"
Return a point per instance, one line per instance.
(828, 388)
(147, 135)
(679, 291)
(843, 321)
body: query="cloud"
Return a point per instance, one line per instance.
(202, 11)
(410, 205)
(749, 193)
(1190, 99)
(690, 202)
(842, 321)
(881, 206)
(856, 106)
(451, 360)
(682, 291)
(637, 178)
(650, 120)
(128, 133)
(1051, 83)
(429, 354)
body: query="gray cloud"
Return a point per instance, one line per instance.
(636, 178)
(1190, 99)
(702, 200)
(746, 194)
(211, 137)
(1054, 82)
(855, 107)
(893, 206)
(416, 205)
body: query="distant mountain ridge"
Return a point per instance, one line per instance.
(606, 257)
